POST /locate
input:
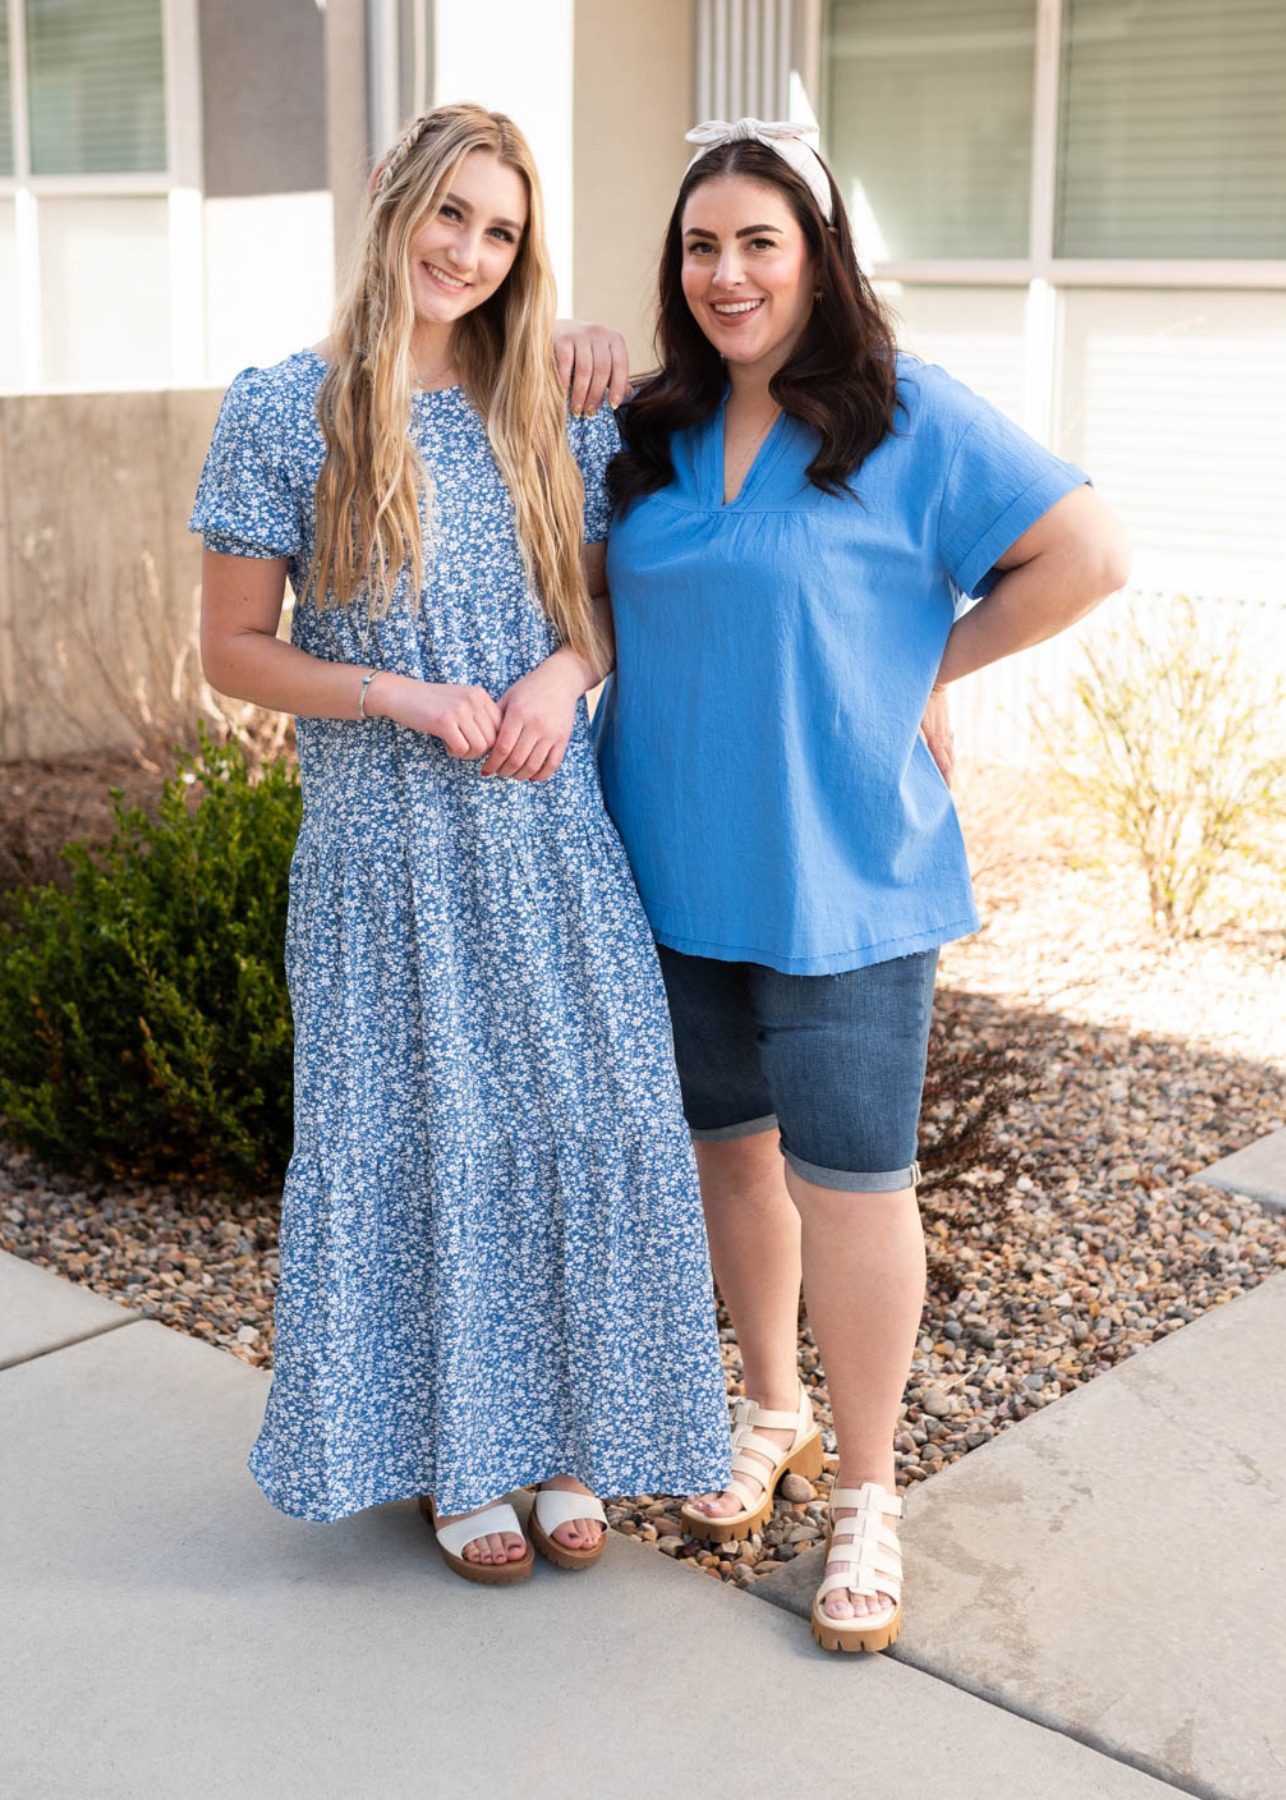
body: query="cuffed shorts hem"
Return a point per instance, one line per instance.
(719, 1134)
(888, 1182)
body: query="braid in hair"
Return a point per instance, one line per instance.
(396, 158)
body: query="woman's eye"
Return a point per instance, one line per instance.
(763, 243)
(448, 212)
(506, 237)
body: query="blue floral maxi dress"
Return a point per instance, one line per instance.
(493, 1258)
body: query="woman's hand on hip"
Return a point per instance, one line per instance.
(538, 714)
(465, 718)
(935, 727)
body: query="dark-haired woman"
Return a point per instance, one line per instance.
(800, 511)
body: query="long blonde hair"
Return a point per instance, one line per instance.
(373, 480)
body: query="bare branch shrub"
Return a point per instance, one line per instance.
(143, 659)
(1173, 745)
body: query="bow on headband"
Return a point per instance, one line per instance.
(786, 137)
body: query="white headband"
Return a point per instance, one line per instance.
(787, 138)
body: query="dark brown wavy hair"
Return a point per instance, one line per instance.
(841, 379)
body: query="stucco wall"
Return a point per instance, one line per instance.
(95, 561)
(634, 100)
(263, 114)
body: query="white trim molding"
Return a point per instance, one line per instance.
(1089, 272)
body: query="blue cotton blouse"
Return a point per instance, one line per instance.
(759, 743)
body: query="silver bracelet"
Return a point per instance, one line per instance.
(367, 679)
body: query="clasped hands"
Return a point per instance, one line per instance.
(524, 734)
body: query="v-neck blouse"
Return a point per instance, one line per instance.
(759, 743)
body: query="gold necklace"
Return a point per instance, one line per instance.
(427, 383)
(742, 467)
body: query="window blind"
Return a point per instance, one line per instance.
(96, 79)
(1171, 399)
(6, 100)
(929, 124)
(1172, 129)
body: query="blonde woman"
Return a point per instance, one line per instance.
(493, 1263)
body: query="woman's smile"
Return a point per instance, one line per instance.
(452, 284)
(733, 312)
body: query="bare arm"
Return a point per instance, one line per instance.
(1056, 572)
(241, 599)
(1071, 559)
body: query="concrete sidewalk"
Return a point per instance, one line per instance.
(169, 1634)
(1115, 1567)
(1258, 1171)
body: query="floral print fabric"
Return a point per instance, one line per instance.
(493, 1259)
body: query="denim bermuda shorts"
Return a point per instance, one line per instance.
(835, 1062)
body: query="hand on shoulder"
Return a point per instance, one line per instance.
(593, 364)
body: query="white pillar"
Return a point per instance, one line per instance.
(515, 57)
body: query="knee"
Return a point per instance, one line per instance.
(742, 1158)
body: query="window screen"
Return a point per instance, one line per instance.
(96, 79)
(1172, 129)
(929, 124)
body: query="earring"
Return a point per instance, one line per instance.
(819, 293)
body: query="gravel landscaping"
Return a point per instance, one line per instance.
(1072, 1235)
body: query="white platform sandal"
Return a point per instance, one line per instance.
(803, 1457)
(452, 1539)
(867, 1560)
(557, 1506)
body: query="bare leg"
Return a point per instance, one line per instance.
(864, 1270)
(754, 1235)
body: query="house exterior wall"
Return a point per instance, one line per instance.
(262, 73)
(268, 216)
(634, 97)
(513, 57)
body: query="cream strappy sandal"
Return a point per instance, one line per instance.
(558, 1506)
(453, 1538)
(867, 1560)
(803, 1456)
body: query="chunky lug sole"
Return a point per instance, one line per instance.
(805, 1459)
(851, 1634)
(487, 1574)
(559, 1554)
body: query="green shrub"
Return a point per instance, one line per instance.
(144, 1021)
(1173, 743)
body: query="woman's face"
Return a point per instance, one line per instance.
(461, 253)
(748, 274)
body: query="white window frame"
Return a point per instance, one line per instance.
(1040, 263)
(180, 184)
(1047, 277)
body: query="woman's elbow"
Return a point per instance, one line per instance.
(220, 666)
(1117, 558)
(1106, 559)
(212, 663)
